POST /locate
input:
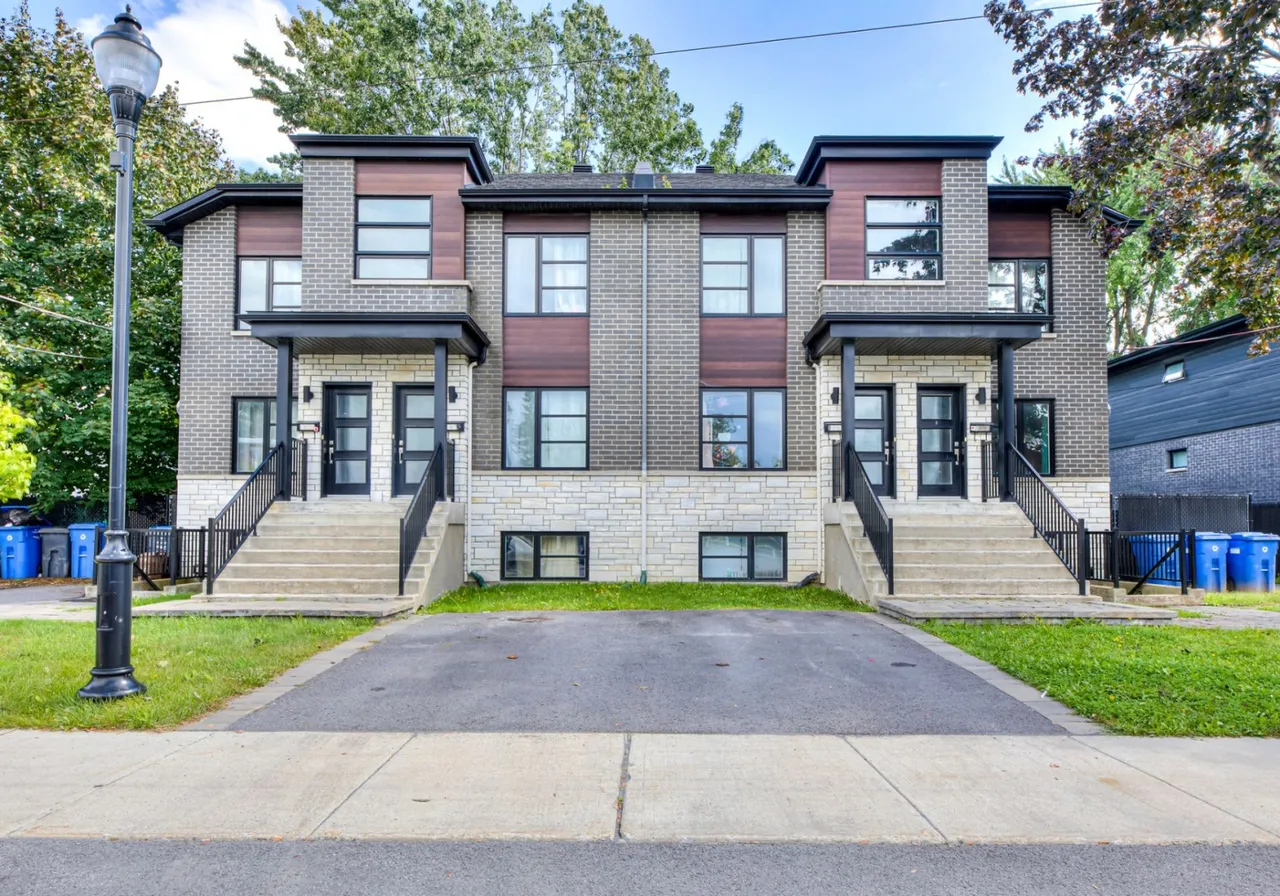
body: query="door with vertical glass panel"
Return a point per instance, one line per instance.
(415, 433)
(873, 435)
(346, 440)
(941, 435)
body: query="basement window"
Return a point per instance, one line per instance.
(544, 555)
(747, 557)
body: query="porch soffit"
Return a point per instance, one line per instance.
(363, 333)
(922, 334)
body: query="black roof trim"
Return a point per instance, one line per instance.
(832, 327)
(395, 146)
(1054, 196)
(664, 199)
(171, 221)
(826, 148)
(457, 327)
(1177, 344)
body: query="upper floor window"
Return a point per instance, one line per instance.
(904, 239)
(743, 275)
(744, 429)
(546, 275)
(393, 238)
(269, 284)
(545, 428)
(1174, 371)
(1019, 285)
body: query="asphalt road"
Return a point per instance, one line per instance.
(169, 868)
(34, 594)
(731, 672)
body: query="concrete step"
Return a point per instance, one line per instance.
(383, 526)
(995, 555)
(904, 542)
(226, 595)
(984, 529)
(948, 586)
(280, 587)
(254, 554)
(981, 572)
(959, 519)
(303, 572)
(274, 542)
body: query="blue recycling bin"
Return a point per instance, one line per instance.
(1147, 549)
(86, 541)
(1251, 561)
(19, 552)
(1211, 560)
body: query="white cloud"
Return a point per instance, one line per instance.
(197, 42)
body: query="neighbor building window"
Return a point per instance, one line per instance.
(1035, 433)
(1174, 371)
(393, 238)
(904, 239)
(545, 429)
(544, 555)
(1178, 459)
(546, 275)
(268, 284)
(253, 431)
(744, 429)
(743, 275)
(1018, 285)
(743, 557)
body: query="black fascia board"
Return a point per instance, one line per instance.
(1053, 196)
(365, 325)
(396, 146)
(170, 222)
(786, 199)
(828, 148)
(835, 326)
(1178, 345)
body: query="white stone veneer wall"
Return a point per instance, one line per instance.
(201, 496)
(1090, 498)
(680, 506)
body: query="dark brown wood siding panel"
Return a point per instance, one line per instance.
(743, 352)
(711, 222)
(517, 222)
(439, 180)
(852, 181)
(546, 351)
(1019, 235)
(269, 230)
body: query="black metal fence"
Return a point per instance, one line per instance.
(1053, 521)
(413, 526)
(1160, 558)
(1167, 513)
(168, 554)
(1264, 518)
(875, 522)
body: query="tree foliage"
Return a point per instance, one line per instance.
(540, 93)
(1188, 90)
(16, 461)
(56, 254)
(766, 158)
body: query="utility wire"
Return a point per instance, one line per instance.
(44, 351)
(52, 313)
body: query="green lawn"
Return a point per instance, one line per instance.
(191, 666)
(1142, 680)
(634, 596)
(1252, 600)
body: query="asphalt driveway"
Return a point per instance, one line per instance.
(727, 672)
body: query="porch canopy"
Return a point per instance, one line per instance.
(993, 334)
(348, 333)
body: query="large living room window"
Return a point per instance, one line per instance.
(268, 284)
(544, 429)
(904, 239)
(734, 557)
(546, 275)
(744, 429)
(1018, 285)
(253, 431)
(743, 275)
(544, 555)
(393, 238)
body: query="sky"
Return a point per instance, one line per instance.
(940, 79)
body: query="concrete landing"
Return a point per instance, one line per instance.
(977, 609)
(372, 609)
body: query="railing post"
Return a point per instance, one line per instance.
(889, 559)
(1082, 556)
(1190, 546)
(175, 554)
(208, 559)
(1113, 556)
(401, 563)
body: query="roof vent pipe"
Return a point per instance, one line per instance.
(643, 177)
(582, 169)
(704, 169)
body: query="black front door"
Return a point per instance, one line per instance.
(940, 419)
(415, 436)
(346, 439)
(873, 435)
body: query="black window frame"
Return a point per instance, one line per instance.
(267, 443)
(1018, 305)
(357, 226)
(750, 263)
(537, 426)
(751, 556)
(750, 418)
(271, 260)
(536, 535)
(537, 274)
(1182, 374)
(1186, 460)
(1019, 435)
(868, 225)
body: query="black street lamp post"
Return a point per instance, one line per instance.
(129, 70)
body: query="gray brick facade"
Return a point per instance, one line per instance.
(1229, 462)
(614, 275)
(806, 263)
(484, 269)
(674, 313)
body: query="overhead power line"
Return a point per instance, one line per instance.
(52, 313)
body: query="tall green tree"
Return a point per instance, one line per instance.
(1190, 89)
(16, 461)
(56, 256)
(766, 158)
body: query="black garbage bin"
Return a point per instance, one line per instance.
(55, 552)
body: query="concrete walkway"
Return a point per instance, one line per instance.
(638, 787)
(1230, 618)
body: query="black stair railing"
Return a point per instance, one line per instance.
(239, 519)
(875, 522)
(413, 526)
(1058, 526)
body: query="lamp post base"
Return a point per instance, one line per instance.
(111, 684)
(112, 675)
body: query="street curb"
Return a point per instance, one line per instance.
(230, 715)
(1062, 716)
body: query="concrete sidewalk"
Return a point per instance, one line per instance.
(641, 787)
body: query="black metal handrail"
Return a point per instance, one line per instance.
(298, 471)
(990, 475)
(875, 522)
(413, 526)
(1053, 521)
(239, 519)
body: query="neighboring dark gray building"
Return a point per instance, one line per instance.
(1196, 415)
